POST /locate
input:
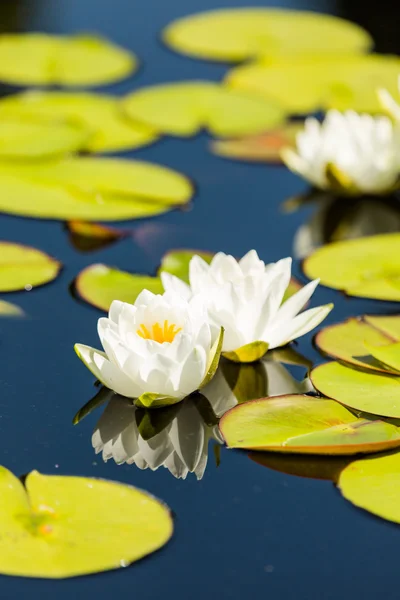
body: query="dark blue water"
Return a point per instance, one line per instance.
(244, 530)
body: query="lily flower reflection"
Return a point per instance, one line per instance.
(177, 437)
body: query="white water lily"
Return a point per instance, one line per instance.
(245, 298)
(350, 153)
(158, 351)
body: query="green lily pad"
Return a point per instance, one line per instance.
(110, 527)
(7, 309)
(373, 484)
(236, 34)
(306, 425)
(183, 109)
(22, 137)
(388, 355)
(90, 189)
(249, 353)
(367, 267)
(351, 341)
(303, 85)
(23, 267)
(327, 468)
(265, 147)
(106, 128)
(41, 59)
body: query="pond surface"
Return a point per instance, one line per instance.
(243, 530)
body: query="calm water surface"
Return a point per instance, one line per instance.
(243, 531)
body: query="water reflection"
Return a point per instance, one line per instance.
(311, 467)
(177, 437)
(337, 218)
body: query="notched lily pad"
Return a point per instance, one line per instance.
(111, 526)
(23, 267)
(235, 34)
(42, 59)
(373, 484)
(367, 267)
(100, 117)
(306, 425)
(183, 109)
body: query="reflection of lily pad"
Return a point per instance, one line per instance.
(374, 485)
(367, 267)
(40, 59)
(265, 147)
(303, 85)
(107, 129)
(311, 467)
(183, 109)
(90, 189)
(69, 526)
(307, 425)
(7, 309)
(25, 267)
(236, 34)
(87, 237)
(30, 138)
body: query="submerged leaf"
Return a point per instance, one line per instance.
(373, 484)
(7, 309)
(23, 267)
(70, 526)
(98, 189)
(183, 109)
(107, 129)
(87, 237)
(367, 267)
(41, 59)
(307, 425)
(235, 34)
(265, 147)
(303, 85)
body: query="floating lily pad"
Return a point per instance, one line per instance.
(303, 85)
(367, 391)
(69, 526)
(350, 341)
(183, 109)
(23, 267)
(22, 137)
(107, 128)
(240, 33)
(265, 147)
(374, 485)
(306, 425)
(41, 59)
(367, 267)
(7, 309)
(89, 189)
(311, 467)
(87, 237)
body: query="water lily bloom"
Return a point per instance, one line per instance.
(158, 351)
(245, 297)
(348, 153)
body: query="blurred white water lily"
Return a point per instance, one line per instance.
(158, 351)
(177, 437)
(389, 103)
(349, 153)
(246, 298)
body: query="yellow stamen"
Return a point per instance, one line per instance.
(159, 333)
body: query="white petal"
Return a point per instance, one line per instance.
(193, 371)
(115, 310)
(298, 326)
(176, 285)
(144, 298)
(295, 303)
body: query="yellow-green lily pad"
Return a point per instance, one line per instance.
(235, 34)
(249, 353)
(57, 527)
(8, 309)
(42, 59)
(303, 85)
(24, 267)
(265, 147)
(85, 188)
(373, 484)
(352, 340)
(183, 109)
(22, 137)
(366, 267)
(107, 128)
(367, 391)
(306, 425)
